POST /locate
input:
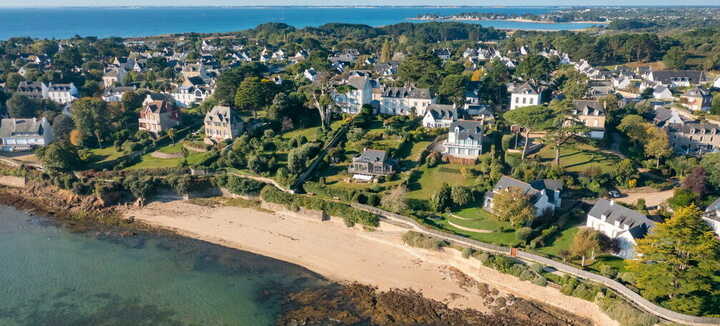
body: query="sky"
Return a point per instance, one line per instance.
(110, 3)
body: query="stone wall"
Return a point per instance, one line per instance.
(11, 181)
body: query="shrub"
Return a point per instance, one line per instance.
(467, 252)
(484, 257)
(537, 268)
(539, 280)
(624, 313)
(523, 233)
(608, 271)
(420, 240)
(526, 274)
(240, 186)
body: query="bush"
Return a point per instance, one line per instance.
(240, 186)
(523, 233)
(420, 240)
(539, 280)
(468, 252)
(608, 271)
(624, 313)
(274, 195)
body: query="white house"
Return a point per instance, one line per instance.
(619, 223)
(310, 74)
(677, 78)
(543, 194)
(361, 94)
(24, 134)
(526, 94)
(662, 93)
(464, 141)
(222, 123)
(403, 100)
(61, 93)
(712, 216)
(716, 84)
(187, 96)
(115, 94)
(440, 116)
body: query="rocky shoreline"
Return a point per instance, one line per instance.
(333, 304)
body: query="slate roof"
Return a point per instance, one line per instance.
(221, 113)
(358, 82)
(700, 128)
(588, 107)
(467, 129)
(60, 87)
(637, 222)
(667, 76)
(531, 189)
(406, 92)
(526, 88)
(443, 112)
(697, 92)
(20, 127)
(371, 155)
(33, 87)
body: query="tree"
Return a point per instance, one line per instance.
(91, 118)
(678, 261)
(675, 58)
(395, 200)
(386, 52)
(565, 129)
(658, 144)
(13, 80)
(132, 100)
(319, 95)
(171, 134)
(442, 199)
(59, 156)
(682, 198)
(535, 67)
(461, 196)
(586, 244)
(696, 181)
(535, 117)
(513, 205)
(229, 81)
(711, 163)
(624, 171)
(62, 126)
(452, 89)
(253, 94)
(20, 106)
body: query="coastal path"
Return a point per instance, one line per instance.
(630, 295)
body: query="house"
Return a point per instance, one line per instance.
(115, 94)
(361, 93)
(347, 56)
(523, 95)
(543, 194)
(158, 116)
(619, 223)
(661, 92)
(694, 138)
(464, 142)
(480, 112)
(440, 116)
(712, 216)
(668, 117)
(403, 100)
(716, 84)
(61, 93)
(24, 134)
(187, 96)
(677, 78)
(310, 74)
(371, 163)
(696, 99)
(443, 54)
(194, 70)
(222, 123)
(114, 76)
(592, 114)
(33, 90)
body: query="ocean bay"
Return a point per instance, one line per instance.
(146, 21)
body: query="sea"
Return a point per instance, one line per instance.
(59, 23)
(51, 276)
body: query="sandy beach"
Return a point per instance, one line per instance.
(340, 253)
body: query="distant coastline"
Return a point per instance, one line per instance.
(516, 20)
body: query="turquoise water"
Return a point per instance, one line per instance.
(49, 276)
(128, 22)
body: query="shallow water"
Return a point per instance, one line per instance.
(49, 276)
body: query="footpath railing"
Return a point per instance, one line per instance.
(630, 295)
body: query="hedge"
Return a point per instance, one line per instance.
(239, 186)
(351, 214)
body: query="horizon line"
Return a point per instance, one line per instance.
(356, 6)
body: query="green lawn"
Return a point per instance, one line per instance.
(311, 132)
(613, 261)
(171, 149)
(149, 162)
(478, 218)
(506, 238)
(103, 157)
(579, 157)
(561, 242)
(430, 180)
(417, 149)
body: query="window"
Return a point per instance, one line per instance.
(531, 100)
